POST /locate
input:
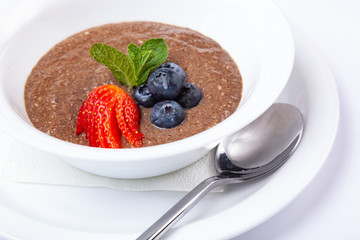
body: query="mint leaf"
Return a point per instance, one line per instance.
(144, 74)
(119, 64)
(133, 50)
(160, 49)
(132, 70)
(141, 60)
(145, 62)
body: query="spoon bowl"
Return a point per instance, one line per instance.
(253, 152)
(265, 143)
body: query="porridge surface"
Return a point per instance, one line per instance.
(63, 78)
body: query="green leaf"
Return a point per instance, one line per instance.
(160, 50)
(145, 62)
(132, 70)
(119, 64)
(144, 74)
(133, 50)
(141, 60)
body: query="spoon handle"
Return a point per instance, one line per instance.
(172, 216)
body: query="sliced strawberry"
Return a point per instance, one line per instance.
(104, 131)
(126, 124)
(98, 117)
(132, 115)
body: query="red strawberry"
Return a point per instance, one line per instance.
(107, 110)
(127, 115)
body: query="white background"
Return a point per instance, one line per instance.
(329, 208)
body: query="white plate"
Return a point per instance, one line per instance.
(31, 211)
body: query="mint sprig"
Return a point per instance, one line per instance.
(134, 69)
(118, 63)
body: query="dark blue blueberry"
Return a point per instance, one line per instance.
(167, 114)
(174, 67)
(143, 96)
(165, 83)
(189, 96)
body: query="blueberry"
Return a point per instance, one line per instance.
(143, 96)
(165, 83)
(167, 114)
(189, 96)
(174, 67)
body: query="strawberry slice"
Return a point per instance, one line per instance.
(127, 115)
(106, 114)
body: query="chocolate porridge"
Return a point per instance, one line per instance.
(64, 76)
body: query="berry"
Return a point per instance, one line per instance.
(174, 67)
(143, 96)
(128, 119)
(107, 110)
(189, 96)
(165, 83)
(167, 114)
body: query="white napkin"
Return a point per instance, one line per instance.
(29, 165)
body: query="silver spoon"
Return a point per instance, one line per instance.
(255, 151)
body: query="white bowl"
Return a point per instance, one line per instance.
(254, 33)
